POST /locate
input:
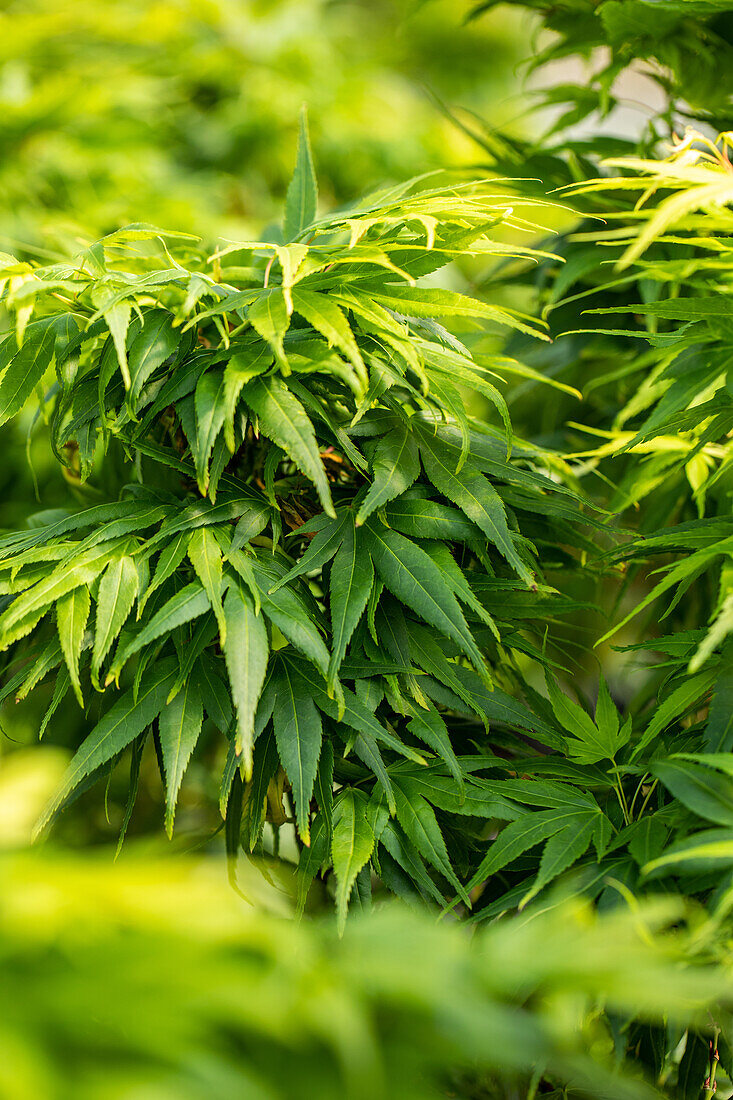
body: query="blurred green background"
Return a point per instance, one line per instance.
(183, 112)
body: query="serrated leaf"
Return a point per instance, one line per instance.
(286, 608)
(27, 366)
(284, 420)
(205, 555)
(352, 844)
(186, 605)
(328, 319)
(319, 550)
(269, 316)
(395, 465)
(179, 727)
(302, 196)
(117, 590)
(120, 725)
(312, 857)
(72, 613)
(246, 652)
(299, 734)
(417, 818)
(474, 495)
(703, 791)
(155, 342)
(210, 414)
(560, 852)
(411, 575)
(352, 576)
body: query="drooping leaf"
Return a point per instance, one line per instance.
(299, 733)
(352, 576)
(352, 844)
(246, 651)
(300, 202)
(179, 726)
(72, 613)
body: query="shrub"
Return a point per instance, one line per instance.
(309, 509)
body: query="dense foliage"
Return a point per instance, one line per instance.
(299, 560)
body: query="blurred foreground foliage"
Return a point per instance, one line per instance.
(152, 979)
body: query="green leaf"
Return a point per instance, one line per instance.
(155, 342)
(120, 725)
(299, 733)
(312, 857)
(186, 605)
(417, 818)
(117, 315)
(170, 558)
(284, 420)
(81, 569)
(708, 850)
(328, 319)
(241, 369)
(72, 612)
(351, 581)
(269, 316)
(27, 367)
(700, 789)
(210, 414)
(319, 551)
(302, 196)
(474, 495)
(587, 742)
(351, 847)
(428, 726)
(689, 692)
(560, 852)
(412, 576)
(395, 465)
(324, 784)
(179, 726)
(288, 611)
(117, 591)
(246, 652)
(205, 555)
(519, 836)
